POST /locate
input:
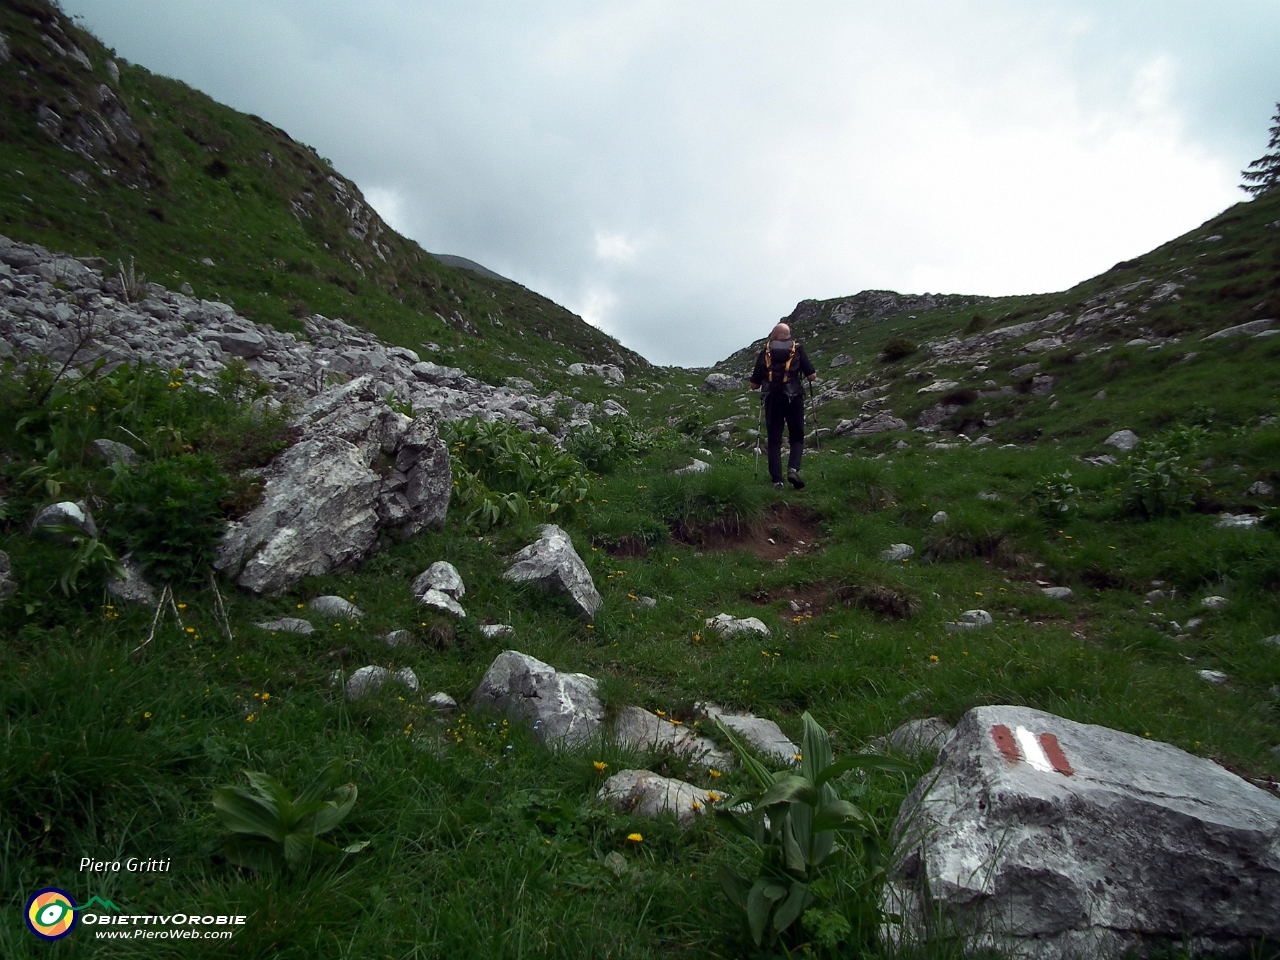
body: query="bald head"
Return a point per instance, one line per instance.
(780, 332)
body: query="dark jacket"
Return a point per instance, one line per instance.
(774, 376)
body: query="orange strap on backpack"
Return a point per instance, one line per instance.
(768, 361)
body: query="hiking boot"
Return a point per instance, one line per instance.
(794, 476)
(777, 485)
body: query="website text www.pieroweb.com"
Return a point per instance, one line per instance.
(53, 913)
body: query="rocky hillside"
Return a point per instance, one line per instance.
(1145, 344)
(103, 158)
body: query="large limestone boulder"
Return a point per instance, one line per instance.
(720, 383)
(562, 708)
(639, 729)
(552, 563)
(1049, 839)
(324, 506)
(647, 794)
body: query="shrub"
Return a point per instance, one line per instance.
(977, 323)
(603, 446)
(1055, 496)
(896, 348)
(168, 513)
(1156, 481)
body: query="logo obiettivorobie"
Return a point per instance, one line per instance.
(51, 913)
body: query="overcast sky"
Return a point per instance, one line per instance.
(682, 173)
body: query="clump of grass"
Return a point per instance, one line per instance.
(960, 538)
(897, 348)
(695, 503)
(866, 485)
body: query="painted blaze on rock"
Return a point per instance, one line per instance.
(1045, 838)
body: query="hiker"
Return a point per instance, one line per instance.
(779, 370)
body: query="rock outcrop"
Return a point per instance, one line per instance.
(1044, 838)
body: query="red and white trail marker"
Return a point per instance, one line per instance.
(1042, 752)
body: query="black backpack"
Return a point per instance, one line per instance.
(779, 358)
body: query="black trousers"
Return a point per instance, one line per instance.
(780, 409)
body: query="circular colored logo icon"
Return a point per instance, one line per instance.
(51, 913)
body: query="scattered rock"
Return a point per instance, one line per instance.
(1042, 386)
(1193, 625)
(495, 631)
(841, 360)
(438, 600)
(1100, 395)
(898, 552)
(8, 585)
(396, 639)
(1154, 595)
(1214, 603)
(646, 603)
(1041, 838)
(66, 514)
(132, 587)
(639, 729)
(721, 383)
(643, 793)
(939, 386)
(1122, 440)
(1236, 521)
(763, 736)
(1024, 371)
(1243, 329)
(1272, 641)
(729, 626)
(332, 606)
(369, 680)
(552, 563)
(442, 703)
(113, 452)
(970, 620)
(1212, 676)
(561, 708)
(1260, 489)
(1058, 593)
(442, 576)
(940, 517)
(697, 466)
(288, 625)
(917, 737)
(881, 423)
(989, 497)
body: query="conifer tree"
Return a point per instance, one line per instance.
(1264, 173)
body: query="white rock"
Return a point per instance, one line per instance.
(917, 737)
(640, 729)
(646, 794)
(697, 466)
(288, 625)
(66, 514)
(132, 587)
(1260, 489)
(1236, 521)
(332, 606)
(720, 383)
(561, 708)
(438, 600)
(8, 585)
(406, 678)
(1212, 676)
(1214, 603)
(552, 563)
(442, 703)
(1138, 846)
(898, 552)
(1243, 329)
(970, 620)
(939, 386)
(1122, 440)
(366, 681)
(1272, 641)
(1058, 593)
(763, 736)
(398, 639)
(940, 517)
(442, 576)
(114, 452)
(729, 626)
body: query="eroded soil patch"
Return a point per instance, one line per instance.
(785, 530)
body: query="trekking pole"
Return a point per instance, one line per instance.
(759, 429)
(817, 445)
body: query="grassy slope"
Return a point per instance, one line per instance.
(490, 846)
(205, 181)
